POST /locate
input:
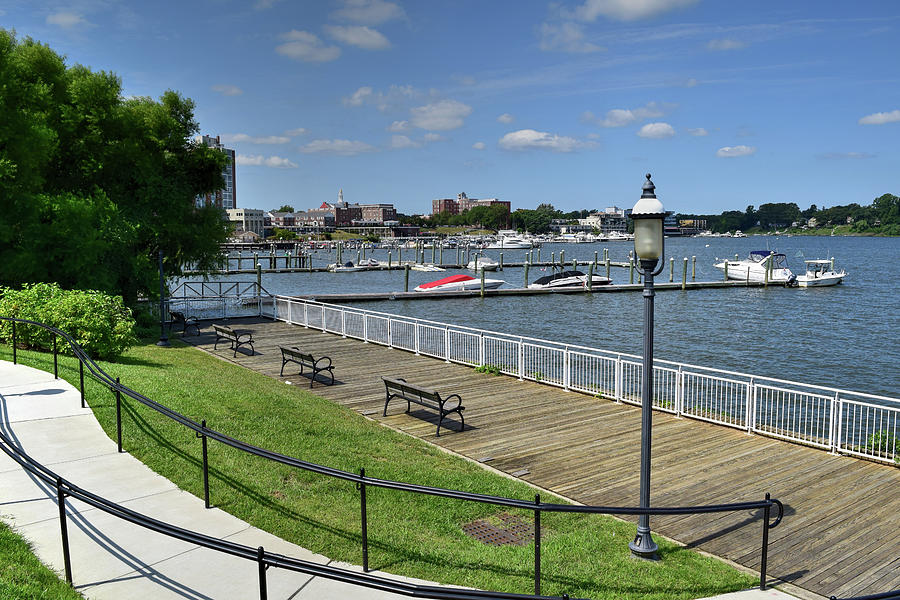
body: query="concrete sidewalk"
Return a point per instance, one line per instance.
(112, 558)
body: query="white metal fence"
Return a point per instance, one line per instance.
(840, 421)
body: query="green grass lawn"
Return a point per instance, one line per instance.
(409, 534)
(23, 576)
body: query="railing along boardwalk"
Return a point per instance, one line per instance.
(841, 537)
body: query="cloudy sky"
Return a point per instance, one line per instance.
(728, 103)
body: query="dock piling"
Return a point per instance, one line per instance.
(501, 262)
(607, 266)
(526, 274)
(590, 278)
(482, 283)
(631, 270)
(684, 274)
(406, 277)
(671, 269)
(693, 268)
(389, 260)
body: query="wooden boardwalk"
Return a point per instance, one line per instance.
(841, 532)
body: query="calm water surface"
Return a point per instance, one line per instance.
(843, 336)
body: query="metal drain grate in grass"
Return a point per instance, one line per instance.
(501, 529)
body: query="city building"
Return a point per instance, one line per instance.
(462, 203)
(357, 215)
(610, 220)
(226, 197)
(247, 220)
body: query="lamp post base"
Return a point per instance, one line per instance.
(643, 546)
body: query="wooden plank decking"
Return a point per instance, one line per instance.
(841, 532)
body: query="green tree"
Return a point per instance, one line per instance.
(92, 185)
(285, 208)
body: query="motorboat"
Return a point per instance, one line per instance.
(483, 263)
(457, 283)
(507, 239)
(739, 234)
(347, 267)
(370, 263)
(755, 267)
(618, 236)
(820, 273)
(567, 279)
(426, 267)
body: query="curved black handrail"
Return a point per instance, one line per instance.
(361, 480)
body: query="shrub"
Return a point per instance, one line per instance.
(99, 323)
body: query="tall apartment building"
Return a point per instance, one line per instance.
(462, 203)
(247, 219)
(224, 198)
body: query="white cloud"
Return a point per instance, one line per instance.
(257, 160)
(656, 131)
(305, 46)
(505, 118)
(250, 139)
(698, 132)
(529, 139)
(619, 117)
(369, 12)
(358, 35)
(66, 20)
(735, 151)
(478, 145)
(340, 147)
(627, 10)
(227, 90)
(565, 37)
(396, 96)
(881, 118)
(398, 126)
(295, 132)
(440, 116)
(265, 4)
(432, 137)
(358, 97)
(402, 141)
(725, 44)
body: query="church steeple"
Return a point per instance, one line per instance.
(341, 196)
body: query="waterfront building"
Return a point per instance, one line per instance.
(225, 198)
(345, 214)
(462, 203)
(611, 220)
(247, 219)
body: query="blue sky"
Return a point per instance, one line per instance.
(728, 103)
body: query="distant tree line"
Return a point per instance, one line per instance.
(882, 217)
(495, 217)
(94, 183)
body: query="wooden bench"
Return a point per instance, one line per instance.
(317, 365)
(223, 332)
(399, 388)
(178, 318)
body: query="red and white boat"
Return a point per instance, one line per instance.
(458, 283)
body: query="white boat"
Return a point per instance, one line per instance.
(483, 263)
(347, 267)
(458, 283)
(739, 234)
(507, 239)
(618, 236)
(426, 267)
(755, 266)
(820, 273)
(567, 279)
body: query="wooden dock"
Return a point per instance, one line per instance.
(840, 531)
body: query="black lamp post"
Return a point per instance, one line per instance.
(649, 247)
(163, 338)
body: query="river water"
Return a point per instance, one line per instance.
(843, 336)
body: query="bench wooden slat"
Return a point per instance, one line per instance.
(317, 365)
(236, 339)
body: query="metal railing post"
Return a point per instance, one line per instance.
(365, 328)
(618, 383)
(521, 360)
(481, 348)
(765, 544)
(118, 416)
(447, 343)
(750, 403)
(566, 361)
(261, 559)
(63, 528)
(15, 359)
(55, 364)
(679, 391)
(840, 422)
(202, 436)
(537, 545)
(831, 422)
(416, 334)
(81, 379)
(361, 486)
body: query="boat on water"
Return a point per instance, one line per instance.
(347, 267)
(754, 268)
(426, 267)
(483, 263)
(567, 279)
(457, 283)
(618, 236)
(507, 239)
(739, 234)
(820, 273)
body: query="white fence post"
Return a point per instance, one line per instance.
(837, 417)
(343, 323)
(447, 343)
(566, 368)
(365, 328)
(750, 415)
(416, 333)
(390, 332)
(618, 383)
(306, 314)
(679, 392)
(481, 348)
(521, 359)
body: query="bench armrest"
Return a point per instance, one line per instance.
(450, 397)
(318, 360)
